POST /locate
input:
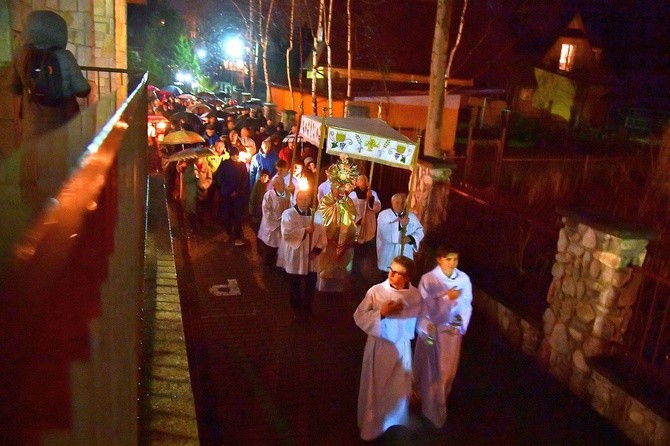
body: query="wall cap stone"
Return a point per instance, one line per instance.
(608, 224)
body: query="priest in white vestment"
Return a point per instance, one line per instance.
(446, 292)
(275, 202)
(388, 315)
(303, 239)
(399, 232)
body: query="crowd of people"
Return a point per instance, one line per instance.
(319, 233)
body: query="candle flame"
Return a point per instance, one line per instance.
(303, 183)
(244, 156)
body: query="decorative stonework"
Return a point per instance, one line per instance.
(591, 293)
(590, 300)
(429, 201)
(431, 193)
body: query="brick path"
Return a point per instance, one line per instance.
(261, 379)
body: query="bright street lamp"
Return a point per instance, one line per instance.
(233, 46)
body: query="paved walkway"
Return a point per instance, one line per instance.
(261, 379)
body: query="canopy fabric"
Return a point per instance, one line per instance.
(361, 138)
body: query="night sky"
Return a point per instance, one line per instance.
(499, 36)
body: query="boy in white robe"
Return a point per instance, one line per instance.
(388, 315)
(399, 232)
(445, 314)
(275, 202)
(303, 239)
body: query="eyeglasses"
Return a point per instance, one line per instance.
(393, 272)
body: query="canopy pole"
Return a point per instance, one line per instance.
(295, 149)
(403, 231)
(322, 140)
(365, 209)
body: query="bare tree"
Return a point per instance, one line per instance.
(330, 58)
(317, 36)
(349, 54)
(264, 47)
(455, 47)
(438, 68)
(251, 40)
(288, 54)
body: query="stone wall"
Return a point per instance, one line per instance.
(590, 297)
(589, 306)
(429, 200)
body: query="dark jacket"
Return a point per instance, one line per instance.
(43, 30)
(232, 176)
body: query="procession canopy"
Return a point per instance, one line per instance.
(361, 138)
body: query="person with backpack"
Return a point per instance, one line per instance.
(45, 75)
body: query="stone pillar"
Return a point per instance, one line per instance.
(591, 294)
(432, 183)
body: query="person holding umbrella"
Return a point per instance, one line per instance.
(196, 180)
(175, 140)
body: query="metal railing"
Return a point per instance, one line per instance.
(107, 80)
(647, 339)
(71, 256)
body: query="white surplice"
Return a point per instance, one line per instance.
(288, 180)
(366, 216)
(274, 204)
(294, 248)
(389, 235)
(323, 190)
(435, 365)
(386, 375)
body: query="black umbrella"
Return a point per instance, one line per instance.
(205, 95)
(251, 104)
(191, 119)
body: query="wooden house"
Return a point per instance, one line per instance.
(571, 83)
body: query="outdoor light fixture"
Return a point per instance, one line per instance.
(233, 47)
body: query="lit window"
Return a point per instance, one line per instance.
(567, 57)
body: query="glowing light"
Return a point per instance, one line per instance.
(234, 47)
(201, 53)
(162, 125)
(244, 156)
(303, 184)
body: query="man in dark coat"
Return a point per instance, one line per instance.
(233, 180)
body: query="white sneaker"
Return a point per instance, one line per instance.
(239, 242)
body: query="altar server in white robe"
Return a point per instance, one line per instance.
(445, 315)
(275, 202)
(391, 223)
(291, 182)
(303, 239)
(388, 315)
